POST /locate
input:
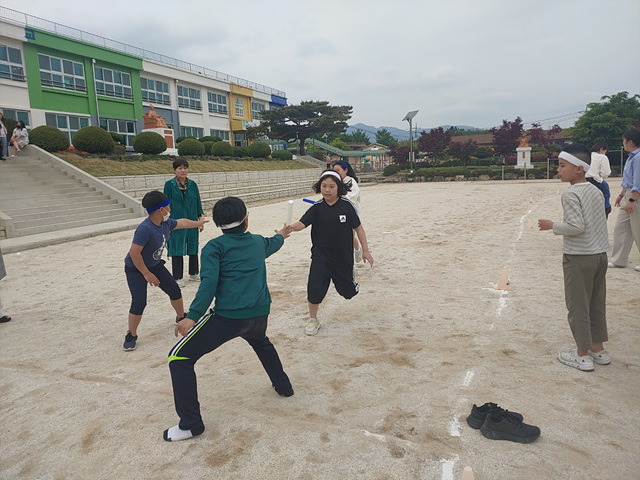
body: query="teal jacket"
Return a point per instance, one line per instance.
(234, 272)
(184, 241)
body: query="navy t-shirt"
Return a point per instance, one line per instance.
(332, 230)
(152, 238)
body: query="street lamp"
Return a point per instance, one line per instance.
(408, 117)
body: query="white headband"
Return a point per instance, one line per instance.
(234, 224)
(574, 160)
(331, 172)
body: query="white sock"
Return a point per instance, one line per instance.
(175, 434)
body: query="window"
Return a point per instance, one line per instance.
(60, 73)
(217, 103)
(240, 139)
(11, 64)
(224, 135)
(112, 83)
(69, 124)
(189, 98)
(239, 108)
(126, 128)
(191, 132)
(17, 115)
(256, 110)
(155, 91)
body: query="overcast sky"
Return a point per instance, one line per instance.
(459, 62)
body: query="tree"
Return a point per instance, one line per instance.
(384, 137)
(359, 136)
(463, 150)
(607, 121)
(539, 136)
(507, 137)
(435, 142)
(399, 153)
(299, 122)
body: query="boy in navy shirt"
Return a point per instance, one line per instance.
(144, 265)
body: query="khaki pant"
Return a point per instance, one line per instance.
(585, 293)
(626, 231)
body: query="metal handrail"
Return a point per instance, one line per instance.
(21, 18)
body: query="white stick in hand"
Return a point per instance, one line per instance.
(290, 213)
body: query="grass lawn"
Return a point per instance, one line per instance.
(105, 167)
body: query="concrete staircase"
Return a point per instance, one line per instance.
(38, 196)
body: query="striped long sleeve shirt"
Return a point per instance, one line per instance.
(584, 222)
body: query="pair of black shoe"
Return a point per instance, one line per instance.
(499, 424)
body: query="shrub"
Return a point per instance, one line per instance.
(93, 140)
(149, 142)
(117, 138)
(210, 139)
(239, 152)
(191, 146)
(221, 149)
(390, 169)
(207, 147)
(258, 150)
(179, 139)
(49, 138)
(281, 155)
(119, 149)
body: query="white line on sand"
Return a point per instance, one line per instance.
(467, 378)
(447, 467)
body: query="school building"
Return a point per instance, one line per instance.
(51, 74)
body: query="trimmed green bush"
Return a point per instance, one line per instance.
(221, 149)
(151, 143)
(117, 138)
(191, 146)
(207, 147)
(210, 139)
(391, 169)
(281, 155)
(179, 139)
(239, 152)
(258, 150)
(93, 140)
(119, 150)
(49, 138)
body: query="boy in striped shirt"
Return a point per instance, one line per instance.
(584, 263)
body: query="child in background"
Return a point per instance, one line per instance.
(600, 169)
(234, 272)
(585, 245)
(350, 179)
(144, 265)
(333, 220)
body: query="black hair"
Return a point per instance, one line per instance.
(153, 199)
(633, 135)
(180, 162)
(579, 151)
(20, 122)
(342, 188)
(348, 168)
(229, 210)
(599, 146)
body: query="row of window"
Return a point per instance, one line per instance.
(69, 75)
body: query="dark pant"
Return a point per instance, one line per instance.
(207, 335)
(321, 273)
(138, 286)
(177, 265)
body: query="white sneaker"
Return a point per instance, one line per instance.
(572, 359)
(601, 358)
(358, 255)
(312, 327)
(613, 265)
(638, 268)
(180, 282)
(194, 278)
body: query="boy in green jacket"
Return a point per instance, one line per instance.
(234, 272)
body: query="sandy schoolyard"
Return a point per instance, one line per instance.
(382, 392)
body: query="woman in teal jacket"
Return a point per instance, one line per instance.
(185, 203)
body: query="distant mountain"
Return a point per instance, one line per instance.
(397, 133)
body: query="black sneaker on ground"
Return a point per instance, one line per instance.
(5, 319)
(287, 392)
(129, 342)
(479, 414)
(503, 425)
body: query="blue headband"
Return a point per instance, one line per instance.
(160, 205)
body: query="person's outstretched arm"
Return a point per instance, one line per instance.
(185, 223)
